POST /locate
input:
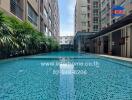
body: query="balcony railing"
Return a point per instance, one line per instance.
(16, 8)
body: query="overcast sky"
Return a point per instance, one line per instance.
(66, 8)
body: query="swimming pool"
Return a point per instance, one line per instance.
(65, 76)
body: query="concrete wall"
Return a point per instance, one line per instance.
(88, 18)
(114, 39)
(5, 4)
(35, 4)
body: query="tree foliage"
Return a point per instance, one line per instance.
(21, 38)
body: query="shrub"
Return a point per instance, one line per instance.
(21, 38)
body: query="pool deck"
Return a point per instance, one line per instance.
(118, 58)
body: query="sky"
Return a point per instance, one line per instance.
(66, 10)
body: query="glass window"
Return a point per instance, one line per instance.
(83, 23)
(83, 30)
(96, 4)
(32, 16)
(45, 13)
(96, 13)
(88, 23)
(49, 10)
(88, 7)
(83, 9)
(95, 27)
(96, 19)
(84, 16)
(88, 1)
(88, 15)
(16, 7)
(50, 33)
(46, 30)
(49, 22)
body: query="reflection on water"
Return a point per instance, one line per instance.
(66, 82)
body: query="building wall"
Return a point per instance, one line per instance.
(96, 15)
(104, 16)
(114, 39)
(106, 7)
(5, 4)
(66, 40)
(85, 12)
(106, 13)
(47, 12)
(34, 4)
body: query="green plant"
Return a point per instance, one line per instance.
(21, 38)
(7, 41)
(52, 44)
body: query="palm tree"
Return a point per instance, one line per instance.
(7, 41)
(18, 37)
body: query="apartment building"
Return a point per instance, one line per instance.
(66, 40)
(116, 35)
(42, 14)
(106, 18)
(87, 16)
(127, 4)
(106, 11)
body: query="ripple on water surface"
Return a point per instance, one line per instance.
(27, 79)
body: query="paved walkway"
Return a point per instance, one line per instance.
(119, 58)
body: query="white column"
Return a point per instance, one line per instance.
(122, 45)
(98, 47)
(131, 39)
(128, 41)
(102, 45)
(125, 43)
(110, 42)
(79, 45)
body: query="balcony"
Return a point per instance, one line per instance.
(16, 7)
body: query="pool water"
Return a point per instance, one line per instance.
(65, 76)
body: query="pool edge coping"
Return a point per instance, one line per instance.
(117, 58)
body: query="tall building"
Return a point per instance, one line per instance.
(106, 11)
(87, 16)
(116, 35)
(66, 42)
(43, 14)
(127, 4)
